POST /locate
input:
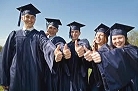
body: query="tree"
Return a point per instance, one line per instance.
(0, 48)
(133, 37)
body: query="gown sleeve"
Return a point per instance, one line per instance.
(7, 56)
(48, 49)
(119, 66)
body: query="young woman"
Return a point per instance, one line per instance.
(119, 66)
(100, 41)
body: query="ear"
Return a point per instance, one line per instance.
(57, 30)
(22, 17)
(80, 33)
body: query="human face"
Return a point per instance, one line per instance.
(100, 38)
(28, 20)
(75, 34)
(52, 31)
(118, 40)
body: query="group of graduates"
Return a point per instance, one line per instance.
(35, 60)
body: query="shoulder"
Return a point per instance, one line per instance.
(58, 37)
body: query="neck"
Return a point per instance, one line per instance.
(27, 28)
(73, 40)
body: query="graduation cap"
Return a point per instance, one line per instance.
(53, 22)
(103, 28)
(27, 9)
(119, 29)
(74, 26)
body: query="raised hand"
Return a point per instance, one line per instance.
(66, 52)
(96, 57)
(79, 49)
(87, 54)
(58, 54)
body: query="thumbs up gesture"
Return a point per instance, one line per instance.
(79, 49)
(58, 54)
(96, 57)
(66, 52)
(87, 54)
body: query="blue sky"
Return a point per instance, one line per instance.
(88, 12)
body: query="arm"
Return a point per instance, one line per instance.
(7, 56)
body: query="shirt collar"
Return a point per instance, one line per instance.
(30, 29)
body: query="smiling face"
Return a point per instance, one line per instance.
(100, 38)
(118, 40)
(52, 31)
(75, 34)
(28, 20)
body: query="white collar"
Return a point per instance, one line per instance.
(30, 29)
(51, 37)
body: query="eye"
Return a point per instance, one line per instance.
(50, 28)
(27, 16)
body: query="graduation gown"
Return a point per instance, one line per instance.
(25, 59)
(60, 71)
(95, 79)
(119, 68)
(78, 68)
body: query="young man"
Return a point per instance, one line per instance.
(27, 54)
(60, 69)
(78, 67)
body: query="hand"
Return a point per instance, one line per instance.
(79, 49)
(87, 54)
(96, 57)
(66, 52)
(58, 54)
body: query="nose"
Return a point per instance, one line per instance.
(117, 40)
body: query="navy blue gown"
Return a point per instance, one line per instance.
(60, 70)
(119, 68)
(78, 68)
(95, 79)
(25, 61)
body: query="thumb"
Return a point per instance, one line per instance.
(76, 43)
(58, 47)
(85, 48)
(65, 46)
(93, 49)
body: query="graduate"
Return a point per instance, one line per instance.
(78, 67)
(119, 66)
(27, 55)
(60, 69)
(99, 42)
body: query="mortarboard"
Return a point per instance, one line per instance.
(74, 26)
(27, 9)
(103, 28)
(119, 29)
(53, 22)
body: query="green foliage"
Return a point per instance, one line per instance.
(133, 38)
(1, 89)
(0, 48)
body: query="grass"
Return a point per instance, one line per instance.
(1, 89)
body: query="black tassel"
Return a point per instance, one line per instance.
(19, 21)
